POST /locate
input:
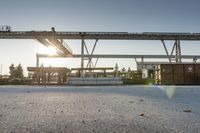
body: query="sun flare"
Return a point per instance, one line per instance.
(46, 50)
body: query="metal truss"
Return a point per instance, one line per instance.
(118, 56)
(53, 38)
(61, 46)
(88, 57)
(177, 49)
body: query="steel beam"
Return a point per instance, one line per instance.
(118, 56)
(37, 60)
(58, 44)
(90, 58)
(179, 50)
(195, 59)
(82, 56)
(96, 62)
(173, 48)
(43, 41)
(166, 50)
(158, 63)
(100, 35)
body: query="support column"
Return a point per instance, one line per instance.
(136, 63)
(179, 46)
(82, 58)
(178, 52)
(104, 71)
(1, 71)
(194, 60)
(89, 64)
(142, 62)
(37, 69)
(37, 60)
(166, 51)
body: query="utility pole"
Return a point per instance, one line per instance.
(1, 70)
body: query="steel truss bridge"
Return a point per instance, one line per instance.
(56, 39)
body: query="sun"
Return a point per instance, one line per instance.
(50, 50)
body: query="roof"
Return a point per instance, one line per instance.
(52, 69)
(96, 68)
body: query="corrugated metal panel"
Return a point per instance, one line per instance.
(178, 69)
(166, 68)
(197, 73)
(178, 74)
(189, 74)
(166, 74)
(197, 68)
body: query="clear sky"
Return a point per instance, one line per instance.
(96, 15)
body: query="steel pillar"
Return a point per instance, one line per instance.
(142, 60)
(96, 62)
(82, 57)
(178, 52)
(136, 63)
(1, 70)
(166, 51)
(89, 56)
(37, 60)
(177, 48)
(195, 59)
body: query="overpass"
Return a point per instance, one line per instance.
(56, 39)
(100, 35)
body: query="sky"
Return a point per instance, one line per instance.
(96, 15)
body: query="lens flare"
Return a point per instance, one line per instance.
(168, 90)
(46, 50)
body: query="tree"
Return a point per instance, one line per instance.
(116, 70)
(123, 70)
(12, 71)
(16, 72)
(19, 72)
(116, 67)
(128, 75)
(129, 69)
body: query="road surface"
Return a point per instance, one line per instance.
(100, 109)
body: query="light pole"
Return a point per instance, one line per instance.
(1, 70)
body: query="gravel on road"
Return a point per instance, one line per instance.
(100, 109)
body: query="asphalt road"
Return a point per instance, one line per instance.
(103, 109)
